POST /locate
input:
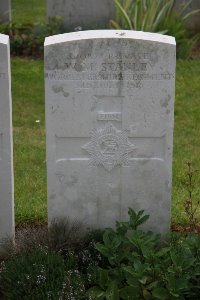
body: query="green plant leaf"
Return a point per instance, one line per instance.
(177, 284)
(103, 250)
(146, 294)
(192, 13)
(103, 278)
(143, 280)
(107, 239)
(161, 293)
(130, 270)
(114, 24)
(112, 292)
(96, 293)
(124, 15)
(163, 252)
(130, 293)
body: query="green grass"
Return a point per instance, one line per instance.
(29, 140)
(29, 137)
(29, 11)
(186, 134)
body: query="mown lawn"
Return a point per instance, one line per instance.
(29, 140)
(28, 11)
(29, 137)
(187, 133)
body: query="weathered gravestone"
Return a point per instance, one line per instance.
(109, 120)
(5, 11)
(6, 152)
(82, 13)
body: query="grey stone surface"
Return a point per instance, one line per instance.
(5, 11)
(82, 13)
(109, 121)
(193, 22)
(6, 147)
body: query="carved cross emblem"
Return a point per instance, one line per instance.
(109, 147)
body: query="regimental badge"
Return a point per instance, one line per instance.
(109, 147)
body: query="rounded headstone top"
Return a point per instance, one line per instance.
(4, 39)
(107, 34)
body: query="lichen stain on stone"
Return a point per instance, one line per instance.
(54, 108)
(65, 56)
(164, 102)
(72, 181)
(84, 49)
(59, 89)
(78, 67)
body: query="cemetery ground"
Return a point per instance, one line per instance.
(29, 139)
(29, 128)
(28, 11)
(62, 264)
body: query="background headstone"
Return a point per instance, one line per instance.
(82, 13)
(5, 11)
(6, 145)
(109, 121)
(193, 22)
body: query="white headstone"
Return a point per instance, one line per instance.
(5, 11)
(6, 145)
(82, 13)
(109, 121)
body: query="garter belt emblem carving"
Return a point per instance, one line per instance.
(109, 147)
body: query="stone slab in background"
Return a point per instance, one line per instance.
(82, 13)
(6, 145)
(109, 121)
(5, 11)
(192, 23)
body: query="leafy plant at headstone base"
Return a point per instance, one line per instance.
(36, 275)
(190, 205)
(144, 266)
(156, 16)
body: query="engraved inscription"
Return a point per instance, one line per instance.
(109, 116)
(123, 66)
(63, 75)
(60, 177)
(116, 66)
(109, 147)
(136, 55)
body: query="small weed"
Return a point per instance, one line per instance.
(33, 275)
(190, 204)
(65, 235)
